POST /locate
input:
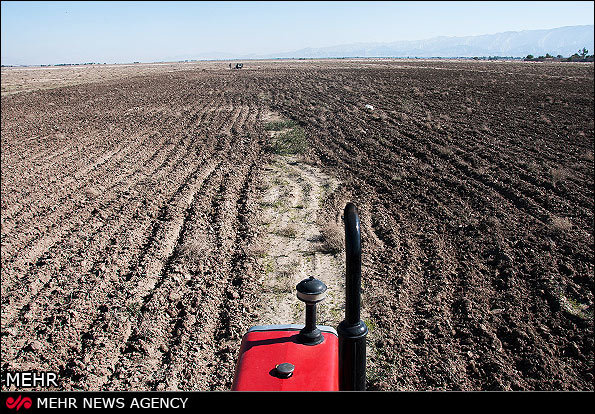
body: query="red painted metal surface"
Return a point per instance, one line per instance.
(316, 367)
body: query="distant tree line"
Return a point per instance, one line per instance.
(581, 56)
(495, 58)
(73, 64)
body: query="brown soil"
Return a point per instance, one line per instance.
(132, 219)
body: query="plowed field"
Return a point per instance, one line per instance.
(133, 206)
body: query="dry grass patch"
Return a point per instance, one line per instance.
(332, 238)
(291, 231)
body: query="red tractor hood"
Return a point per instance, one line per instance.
(315, 367)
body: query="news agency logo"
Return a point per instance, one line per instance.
(29, 379)
(18, 403)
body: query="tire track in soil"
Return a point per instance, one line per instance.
(143, 310)
(213, 240)
(191, 360)
(206, 320)
(223, 210)
(157, 341)
(225, 237)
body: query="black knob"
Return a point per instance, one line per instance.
(311, 291)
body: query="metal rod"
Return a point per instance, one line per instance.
(310, 317)
(310, 334)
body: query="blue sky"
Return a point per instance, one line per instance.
(115, 32)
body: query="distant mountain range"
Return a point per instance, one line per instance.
(560, 41)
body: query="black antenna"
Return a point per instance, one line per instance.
(352, 330)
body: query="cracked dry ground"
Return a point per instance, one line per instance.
(131, 214)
